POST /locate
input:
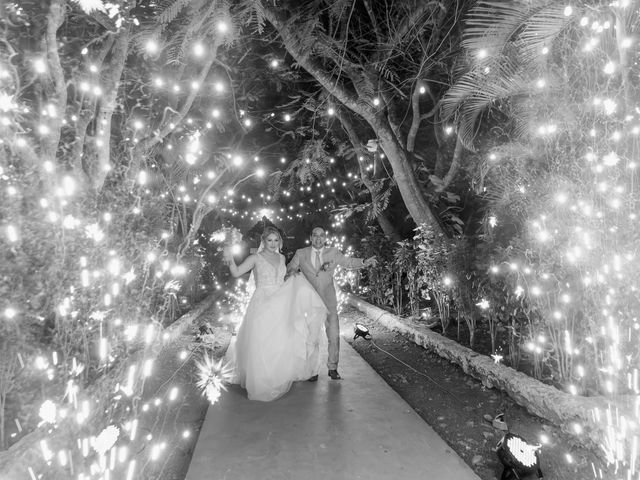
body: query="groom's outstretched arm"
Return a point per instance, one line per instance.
(351, 262)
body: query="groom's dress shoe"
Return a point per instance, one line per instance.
(334, 375)
(313, 379)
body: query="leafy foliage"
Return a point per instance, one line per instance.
(555, 226)
(506, 40)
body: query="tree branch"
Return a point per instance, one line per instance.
(202, 210)
(416, 117)
(293, 46)
(392, 118)
(55, 18)
(456, 161)
(86, 110)
(108, 105)
(623, 55)
(412, 20)
(166, 129)
(374, 22)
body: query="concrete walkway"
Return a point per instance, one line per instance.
(356, 428)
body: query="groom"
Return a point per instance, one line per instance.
(318, 263)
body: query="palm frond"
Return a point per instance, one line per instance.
(381, 202)
(478, 90)
(175, 48)
(275, 182)
(540, 29)
(494, 25)
(255, 15)
(472, 85)
(523, 117)
(171, 11)
(387, 73)
(518, 32)
(307, 32)
(177, 172)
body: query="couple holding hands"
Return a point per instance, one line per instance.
(278, 341)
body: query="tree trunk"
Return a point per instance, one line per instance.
(623, 57)
(2, 421)
(99, 170)
(456, 161)
(405, 177)
(386, 225)
(56, 90)
(85, 113)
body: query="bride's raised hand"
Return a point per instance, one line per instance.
(244, 267)
(227, 256)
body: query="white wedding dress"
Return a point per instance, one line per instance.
(278, 339)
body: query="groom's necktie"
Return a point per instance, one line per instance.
(318, 264)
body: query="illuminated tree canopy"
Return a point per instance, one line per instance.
(484, 150)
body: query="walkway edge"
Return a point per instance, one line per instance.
(545, 401)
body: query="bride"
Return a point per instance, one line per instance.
(277, 342)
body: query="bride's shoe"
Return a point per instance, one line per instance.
(313, 379)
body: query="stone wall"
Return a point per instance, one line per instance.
(557, 407)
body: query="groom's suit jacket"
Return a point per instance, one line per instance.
(322, 280)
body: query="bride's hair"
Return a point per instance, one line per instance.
(268, 231)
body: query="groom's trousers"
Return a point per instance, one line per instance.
(314, 330)
(332, 327)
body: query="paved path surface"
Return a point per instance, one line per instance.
(357, 428)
